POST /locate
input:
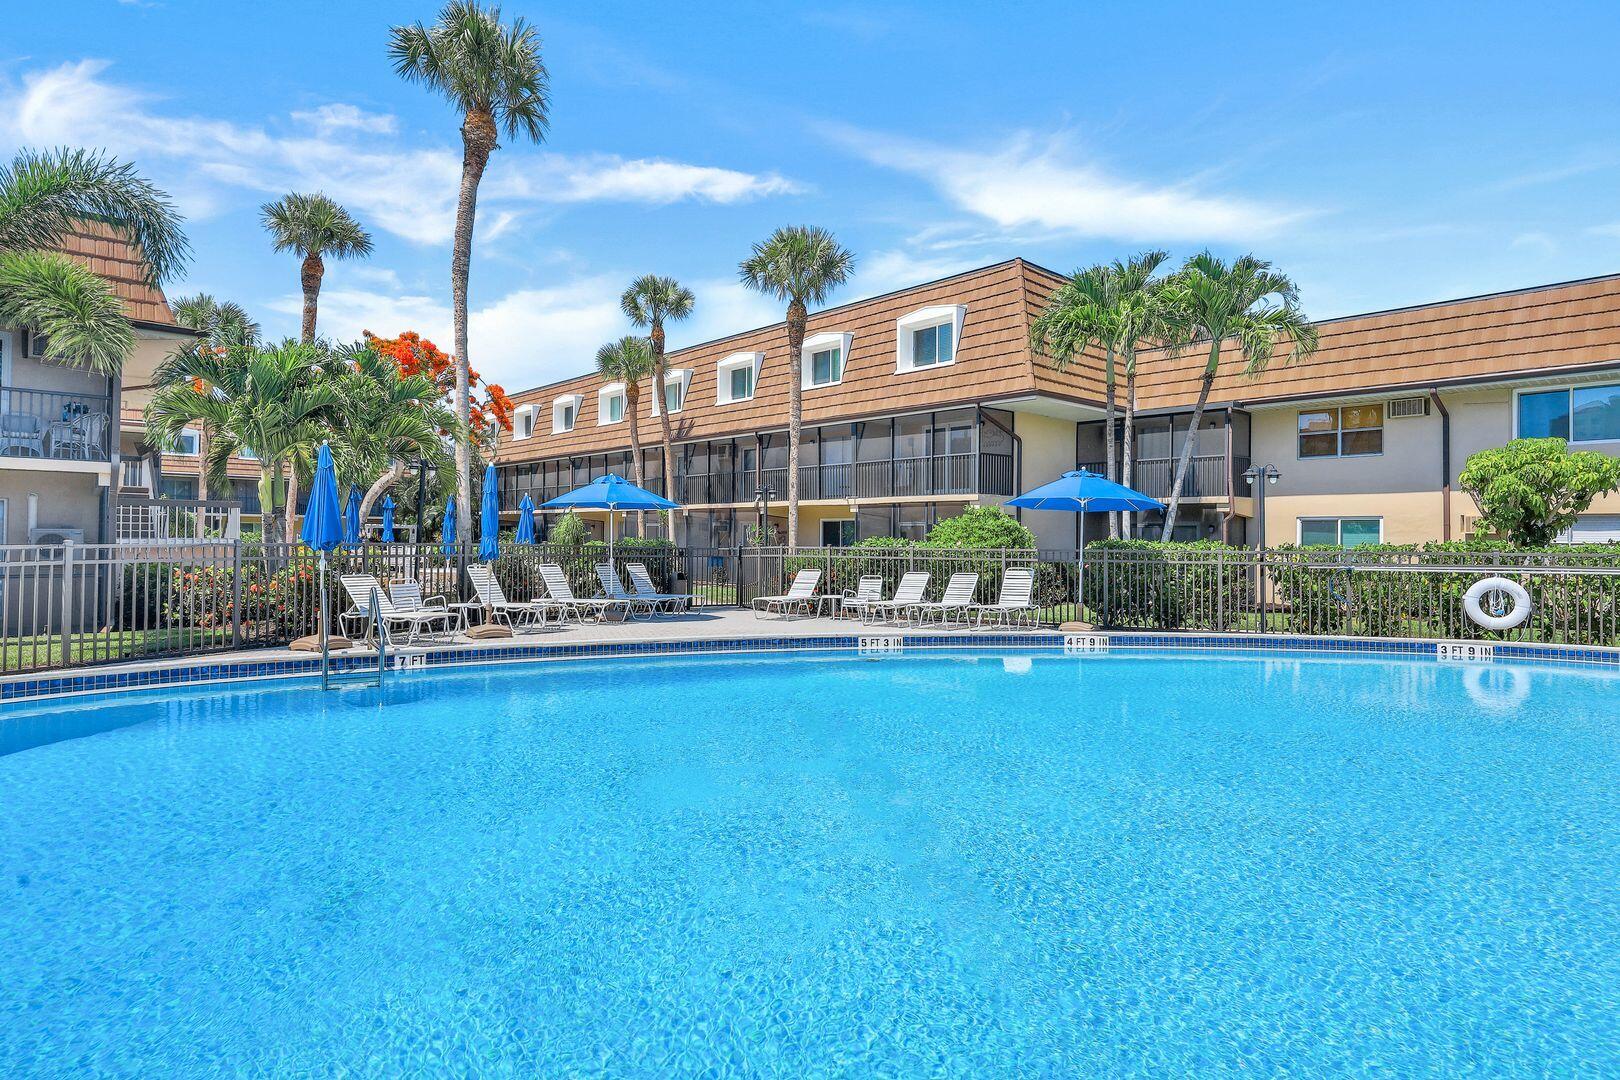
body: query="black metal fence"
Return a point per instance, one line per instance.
(74, 604)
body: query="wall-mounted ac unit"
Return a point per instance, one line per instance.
(1407, 407)
(49, 535)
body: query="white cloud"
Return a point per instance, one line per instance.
(1034, 182)
(343, 150)
(1535, 241)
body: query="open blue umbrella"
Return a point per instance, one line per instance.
(322, 530)
(388, 519)
(611, 493)
(489, 518)
(525, 528)
(1081, 492)
(448, 537)
(351, 518)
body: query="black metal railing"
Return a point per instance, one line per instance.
(51, 424)
(1206, 476)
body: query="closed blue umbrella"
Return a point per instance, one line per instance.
(1081, 492)
(448, 536)
(489, 518)
(388, 519)
(611, 493)
(525, 528)
(351, 518)
(322, 531)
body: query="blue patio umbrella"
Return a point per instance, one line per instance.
(388, 519)
(611, 493)
(351, 518)
(1081, 492)
(489, 518)
(322, 531)
(447, 539)
(525, 528)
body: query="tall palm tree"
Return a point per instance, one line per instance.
(629, 360)
(492, 74)
(44, 196)
(273, 404)
(802, 265)
(1247, 301)
(651, 301)
(314, 228)
(1113, 307)
(222, 323)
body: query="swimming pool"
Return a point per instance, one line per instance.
(957, 863)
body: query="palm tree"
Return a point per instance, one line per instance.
(1113, 307)
(802, 265)
(314, 228)
(1210, 302)
(44, 196)
(494, 77)
(385, 420)
(223, 323)
(273, 404)
(629, 360)
(651, 301)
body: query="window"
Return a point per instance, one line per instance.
(610, 404)
(178, 487)
(523, 421)
(1353, 431)
(823, 360)
(1579, 414)
(736, 376)
(837, 532)
(564, 411)
(1341, 532)
(927, 337)
(675, 383)
(187, 441)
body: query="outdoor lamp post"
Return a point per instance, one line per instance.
(762, 499)
(1258, 477)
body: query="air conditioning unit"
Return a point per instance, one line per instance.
(51, 535)
(1404, 407)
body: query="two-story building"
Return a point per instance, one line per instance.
(923, 401)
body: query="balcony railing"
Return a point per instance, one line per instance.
(1206, 476)
(49, 424)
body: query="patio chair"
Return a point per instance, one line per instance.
(1016, 602)
(868, 591)
(637, 607)
(84, 437)
(22, 431)
(361, 588)
(517, 616)
(801, 596)
(907, 595)
(958, 600)
(407, 600)
(641, 583)
(564, 600)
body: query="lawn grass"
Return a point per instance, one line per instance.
(45, 651)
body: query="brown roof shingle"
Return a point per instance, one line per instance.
(99, 247)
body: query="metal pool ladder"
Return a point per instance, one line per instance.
(378, 626)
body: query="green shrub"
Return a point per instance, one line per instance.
(982, 527)
(570, 531)
(1160, 585)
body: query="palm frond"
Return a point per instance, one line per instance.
(76, 310)
(479, 65)
(312, 224)
(797, 263)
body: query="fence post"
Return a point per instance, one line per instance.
(236, 593)
(67, 597)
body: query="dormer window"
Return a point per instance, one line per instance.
(523, 421)
(675, 384)
(823, 360)
(737, 376)
(564, 411)
(927, 338)
(610, 404)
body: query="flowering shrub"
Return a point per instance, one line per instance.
(277, 604)
(416, 355)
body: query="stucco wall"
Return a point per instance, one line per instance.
(67, 500)
(1048, 454)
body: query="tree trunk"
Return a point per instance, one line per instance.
(478, 140)
(1129, 460)
(202, 461)
(269, 524)
(1172, 504)
(292, 501)
(310, 278)
(632, 403)
(796, 316)
(390, 477)
(656, 336)
(1108, 439)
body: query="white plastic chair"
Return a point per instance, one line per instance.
(801, 596)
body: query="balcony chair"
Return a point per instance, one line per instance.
(84, 437)
(22, 431)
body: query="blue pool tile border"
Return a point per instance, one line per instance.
(161, 673)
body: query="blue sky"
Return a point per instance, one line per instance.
(1382, 154)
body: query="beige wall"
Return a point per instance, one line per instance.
(1048, 445)
(68, 500)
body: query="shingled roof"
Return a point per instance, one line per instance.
(99, 247)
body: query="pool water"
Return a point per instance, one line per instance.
(964, 864)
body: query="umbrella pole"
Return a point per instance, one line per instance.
(1082, 553)
(325, 647)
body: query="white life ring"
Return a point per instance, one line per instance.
(1515, 615)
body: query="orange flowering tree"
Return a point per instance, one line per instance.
(416, 355)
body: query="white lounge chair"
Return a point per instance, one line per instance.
(362, 587)
(801, 596)
(868, 591)
(635, 606)
(907, 595)
(641, 583)
(407, 599)
(958, 600)
(564, 600)
(1016, 602)
(518, 617)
